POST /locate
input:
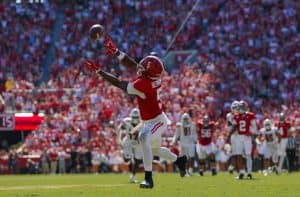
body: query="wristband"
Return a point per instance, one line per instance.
(120, 55)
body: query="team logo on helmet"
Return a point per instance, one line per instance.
(151, 67)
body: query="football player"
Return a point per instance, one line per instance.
(232, 136)
(131, 149)
(284, 128)
(245, 124)
(146, 88)
(206, 148)
(186, 134)
(270, 146)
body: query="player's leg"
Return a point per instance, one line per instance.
(233, 158)
(248, 153)
(281, 153)
(191, 155)
(210, 151)
(145, 139)
(184, 151)
(136, 161)
(239, 156)
(267, 156)
(202, 155)
(156, 133)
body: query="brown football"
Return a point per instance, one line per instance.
(96, 31)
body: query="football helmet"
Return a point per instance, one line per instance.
(267, 124)
(234, 106)
(151, 67)
(205, 120)
(135, 116)
(126, 123)
(243, 107)
(281, 117)
(185, 119)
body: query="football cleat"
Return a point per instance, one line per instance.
(132, 179)
(181, 162)
(214, 172)
(201, 173)
(240, 177)
(146, 185)
(249, 176)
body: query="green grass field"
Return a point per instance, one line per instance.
(165, 185)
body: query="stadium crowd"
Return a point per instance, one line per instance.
(249, 51)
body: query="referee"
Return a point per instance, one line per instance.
(291, 148)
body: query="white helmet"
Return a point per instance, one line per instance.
(135, 116)
(185, 119)
(234, 106)
(267, 124)
(281, 117)
(178, 124)
(126, 122)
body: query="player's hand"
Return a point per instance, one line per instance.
(110, 46)
(91, 66)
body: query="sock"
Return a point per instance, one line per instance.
(281, 160)
(249, 164)
(164, 153)
(242, 171)
(148, 176)
(147, 154)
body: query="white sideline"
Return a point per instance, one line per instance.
(25, 187)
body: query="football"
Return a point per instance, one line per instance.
(96, 32)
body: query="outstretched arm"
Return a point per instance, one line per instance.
(113, 80)
(106, 76)
(122, 57)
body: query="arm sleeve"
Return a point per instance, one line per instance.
(253, 127)
(119, 134)
(175, 138)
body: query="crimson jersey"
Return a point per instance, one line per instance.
(243, 122)
(150, 107)
(205, 133)
(283, 128)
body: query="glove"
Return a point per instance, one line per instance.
(91, 66)
(110, 46)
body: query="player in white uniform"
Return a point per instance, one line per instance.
(271, 145)
(186, 134)
(232, 136)
(131, 148)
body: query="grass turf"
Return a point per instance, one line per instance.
(165, 185)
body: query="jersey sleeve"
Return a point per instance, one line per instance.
(132, 90)
(142, 85)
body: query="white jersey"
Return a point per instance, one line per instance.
(123, 130)
(270, 135)
(230, 121)
(186, 134)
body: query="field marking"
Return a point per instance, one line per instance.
(26, 187)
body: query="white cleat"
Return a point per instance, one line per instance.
(132, 179)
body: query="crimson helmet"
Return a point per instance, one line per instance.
(206, 120)
(151, 67)
(243, 107)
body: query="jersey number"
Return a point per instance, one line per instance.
(205, 133)
(242, 126)
(186, 131)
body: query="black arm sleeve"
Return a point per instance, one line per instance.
(113, 80)
(126, 60)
